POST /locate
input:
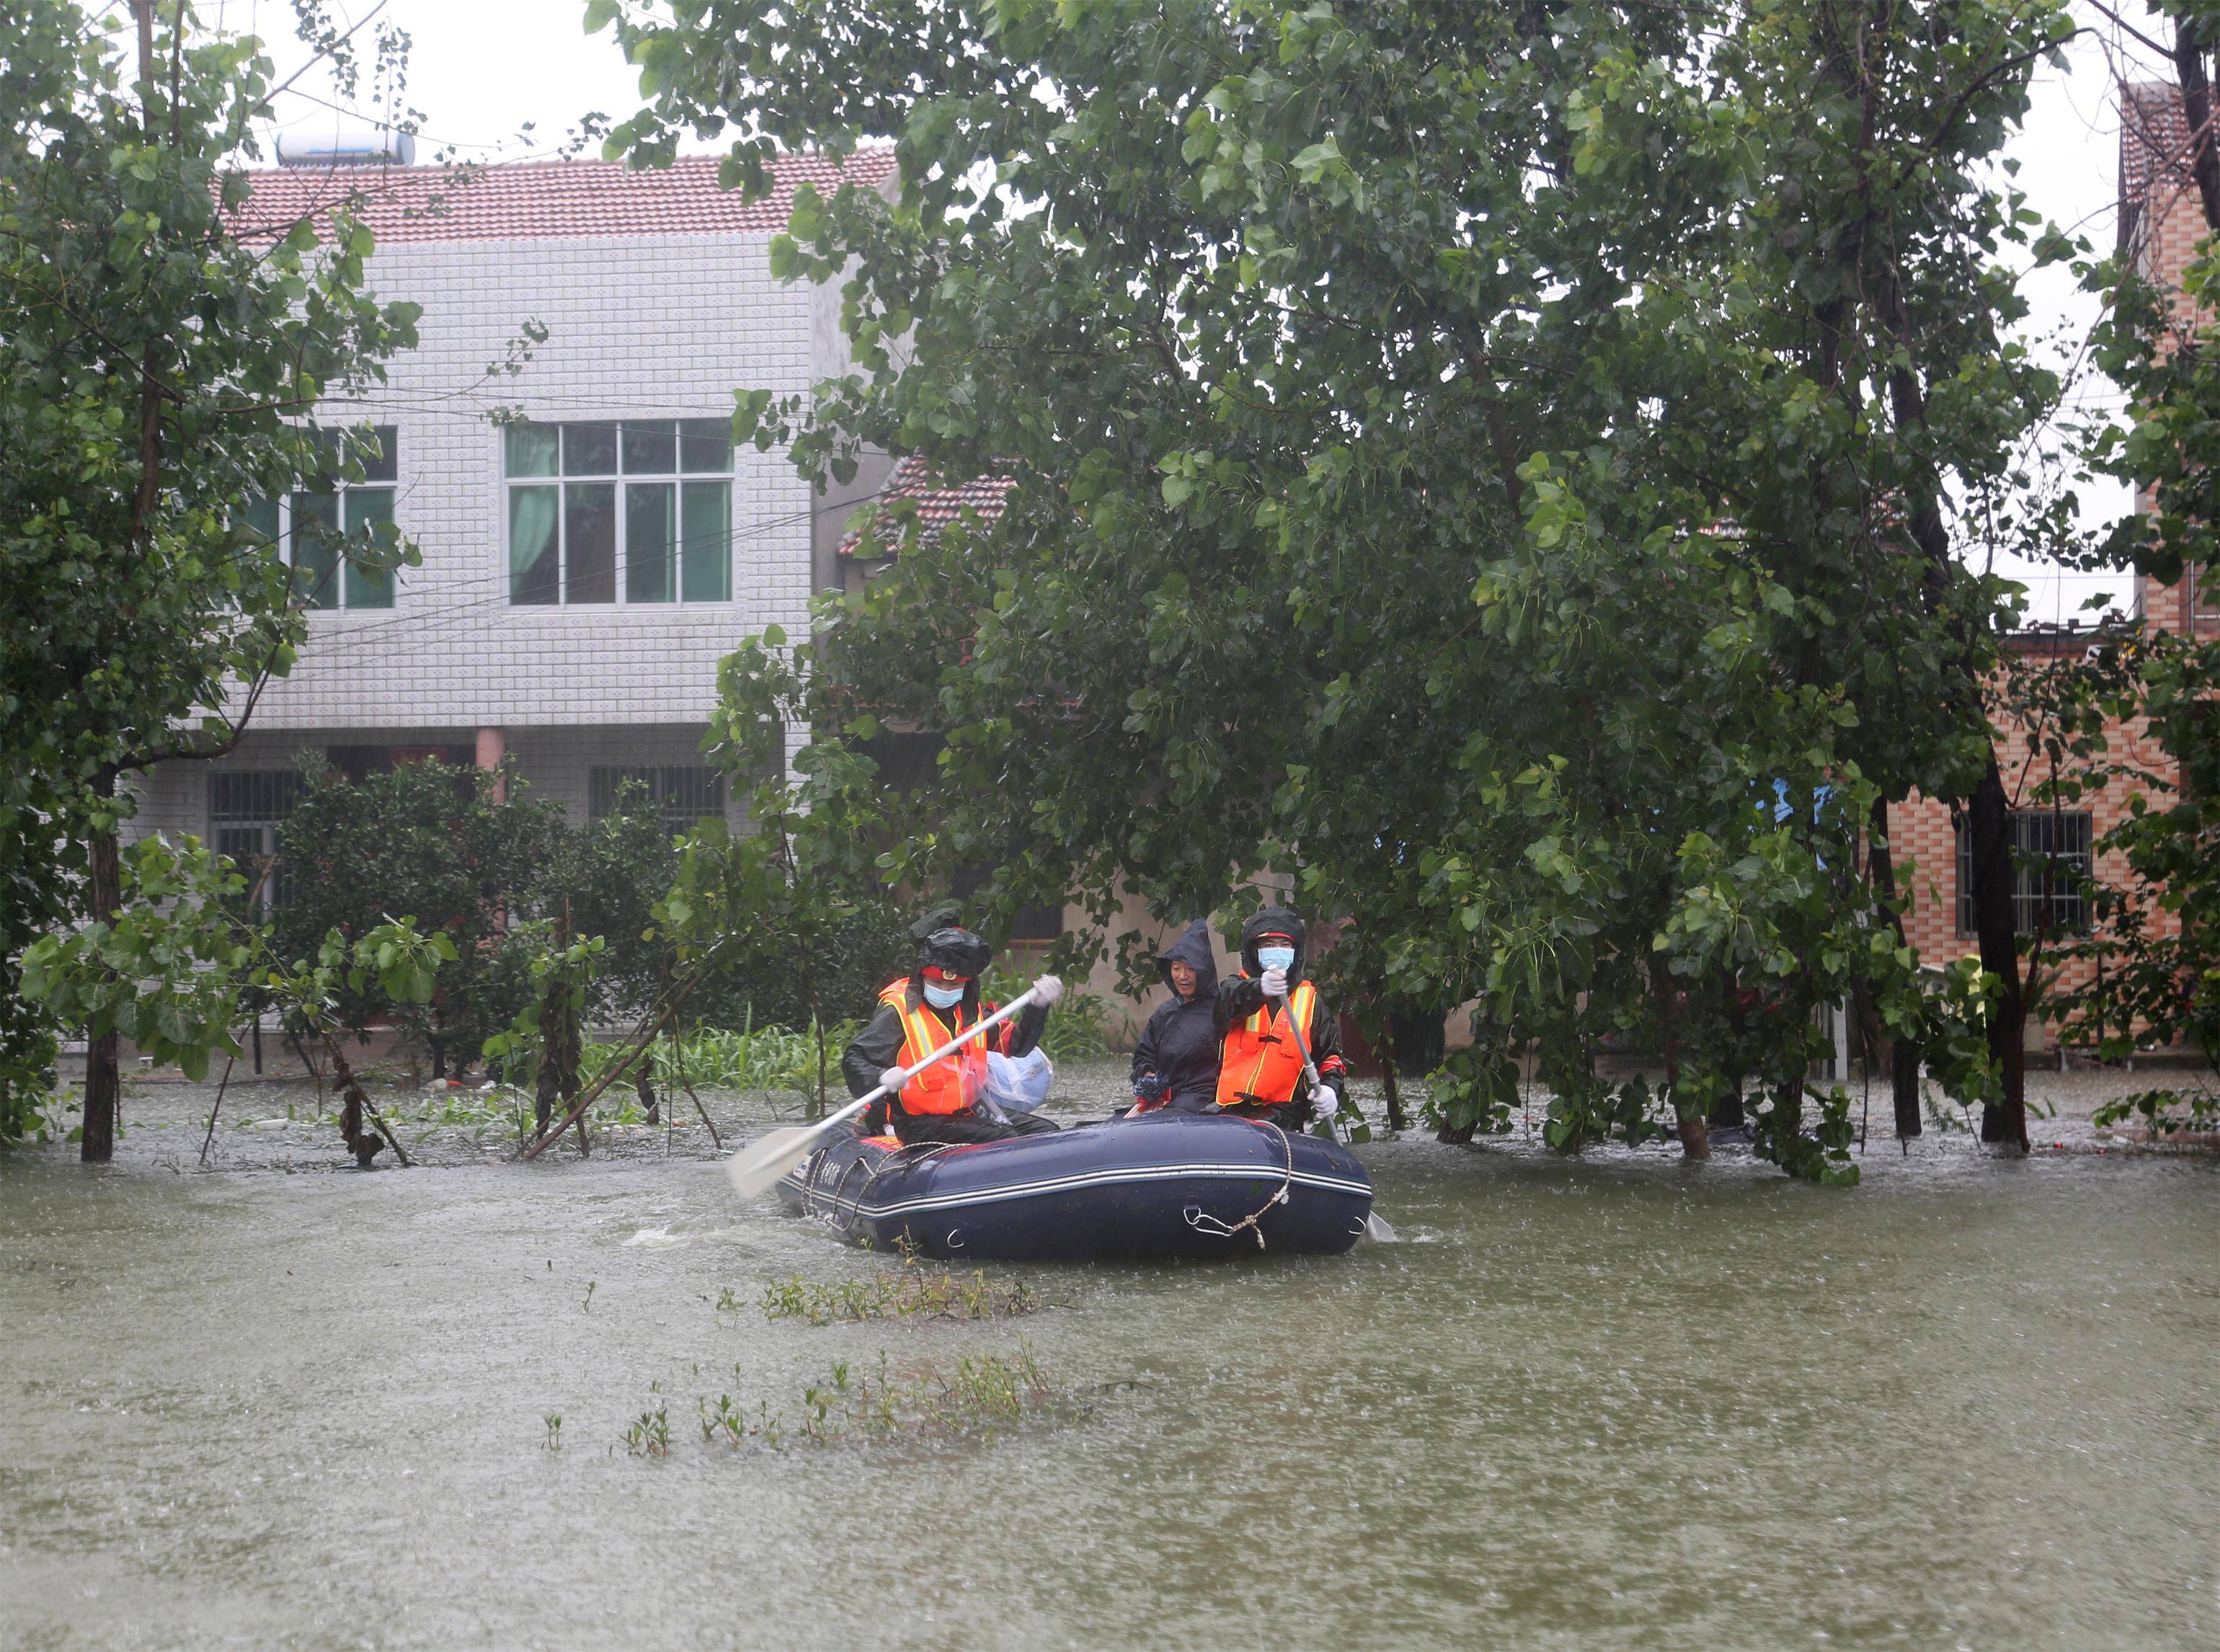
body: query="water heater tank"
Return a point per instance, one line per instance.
(357, 148)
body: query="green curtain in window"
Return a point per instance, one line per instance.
(529, 450)
(368, 588)
(533, 569)
(651, 542)
(707, 572)
(316, 549)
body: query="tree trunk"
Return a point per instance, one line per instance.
(1388, 1081)
(1726, 1111)
(103, 1078)
(1903, 1053)
(1989, 825)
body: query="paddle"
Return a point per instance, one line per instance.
(758, 1166)
(1376, 1226)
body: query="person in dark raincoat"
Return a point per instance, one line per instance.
(919, 1012)
(1260, 1066)
(1175, 1062)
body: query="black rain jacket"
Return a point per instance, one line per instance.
(878, 1046)
(1242, 996)
(1179, 1044)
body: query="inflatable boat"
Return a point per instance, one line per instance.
(1161, 1186)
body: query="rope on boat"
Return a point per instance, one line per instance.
(1203, 1222)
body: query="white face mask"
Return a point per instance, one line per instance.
(1277, 958)
(943, 997)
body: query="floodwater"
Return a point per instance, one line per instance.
(1614, 1403)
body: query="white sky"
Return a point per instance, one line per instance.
(481, 69)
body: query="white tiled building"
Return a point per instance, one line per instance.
(581, 575)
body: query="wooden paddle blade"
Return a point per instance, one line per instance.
(1376, 1227)
(756, 1167)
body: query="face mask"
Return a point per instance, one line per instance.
(943, 997)
(1277, 958)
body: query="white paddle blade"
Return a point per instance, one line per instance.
(756, 1167)
(1376, 1227)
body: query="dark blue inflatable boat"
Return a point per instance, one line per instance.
(1163, 1186)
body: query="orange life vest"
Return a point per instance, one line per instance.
(1260, 1061)
(949, 1085)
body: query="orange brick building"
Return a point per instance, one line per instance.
(2162, 223)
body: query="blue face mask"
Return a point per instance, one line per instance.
(1277, 958)
(943, 997)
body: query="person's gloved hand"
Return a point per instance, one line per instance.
(1274, 983)
(1047, 991)
(1325, 1101)
(891, 1080)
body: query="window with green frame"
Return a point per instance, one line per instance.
(312, 527)
(639, 511)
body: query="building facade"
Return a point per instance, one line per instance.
(592, 544)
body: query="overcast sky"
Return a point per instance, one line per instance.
(481, 70)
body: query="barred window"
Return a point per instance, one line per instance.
(2042, 838)
(679, 793)
(245, 808)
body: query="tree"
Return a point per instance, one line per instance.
(158, 360)
(1492, 463)
(455, 850)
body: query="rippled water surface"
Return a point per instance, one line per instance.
(1618, 1404)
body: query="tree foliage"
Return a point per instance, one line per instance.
(1493, 463)
(158, 364)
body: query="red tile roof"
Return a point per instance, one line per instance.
(2154, 142)
(938, 504)
(551, 200)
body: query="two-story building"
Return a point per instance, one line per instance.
(592, 543)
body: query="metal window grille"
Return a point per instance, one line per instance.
(246, 808)
(679, 793)
(2040, 837)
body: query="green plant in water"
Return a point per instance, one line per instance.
(649, 1433)
(2162, 1112)
(908, 1293)
(554, 1422)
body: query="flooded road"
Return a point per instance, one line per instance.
(1625, 1403)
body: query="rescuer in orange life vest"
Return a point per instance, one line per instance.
(1260, 1066)
(921, 1013)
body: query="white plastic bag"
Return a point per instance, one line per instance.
(1018, 1083)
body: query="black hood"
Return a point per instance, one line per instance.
(938, 917)
(1272, 921)
(1193, 948)
(956, 951)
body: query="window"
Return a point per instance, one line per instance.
(636, 513)
(679, 793)
(2203, 594)
(244, 811)
(311, 527)
(2038, 835)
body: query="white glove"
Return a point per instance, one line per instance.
(891, 1080)
(1325, 1101)
(1047, 991)
(1274, 983)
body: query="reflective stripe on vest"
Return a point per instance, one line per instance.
(949, 1085)
(1261, 1062)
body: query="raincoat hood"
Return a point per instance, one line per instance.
(944, 916)
(956, 951)
(1193, 948)
(1272, 921)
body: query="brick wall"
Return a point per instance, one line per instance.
(1921, 830)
